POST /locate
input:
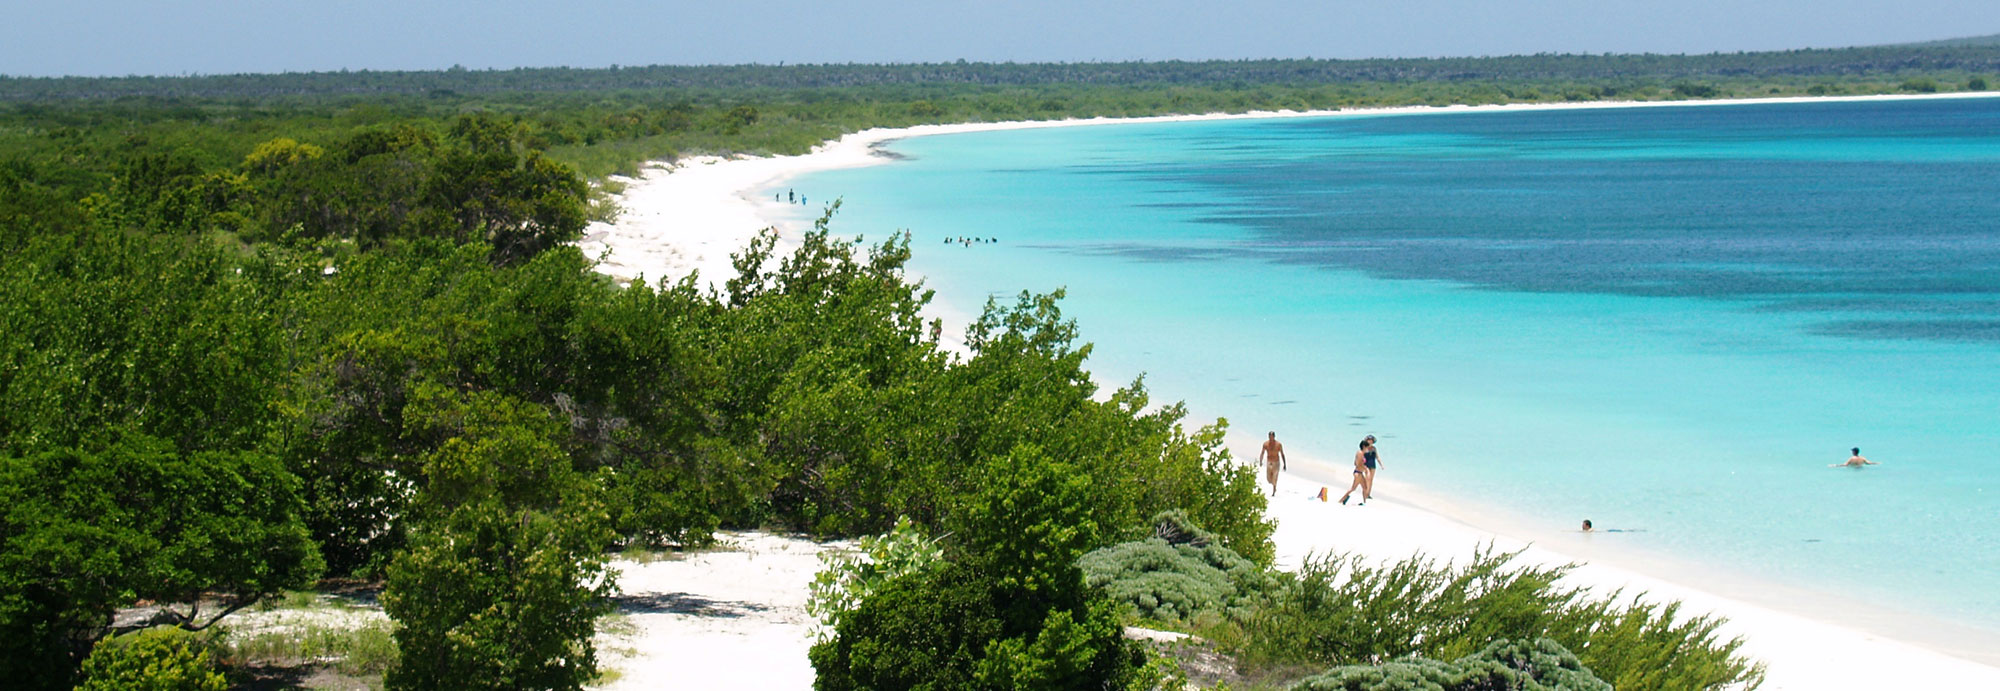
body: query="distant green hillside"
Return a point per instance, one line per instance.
(1948, 61)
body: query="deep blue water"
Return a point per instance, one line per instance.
(1668, 319)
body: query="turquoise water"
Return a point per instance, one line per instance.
(1669, 319)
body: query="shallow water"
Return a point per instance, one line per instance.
(1669, 319)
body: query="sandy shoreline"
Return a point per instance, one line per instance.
(689, 216)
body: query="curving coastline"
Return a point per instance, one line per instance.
(691, 215)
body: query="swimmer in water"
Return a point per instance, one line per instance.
(1855, 461)
(1588, 528)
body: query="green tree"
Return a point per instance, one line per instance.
(109, 328)
(484, 190)
(1028, 523)
(84, 531)
(1010, 612)
(1919, 85)
(504, 577)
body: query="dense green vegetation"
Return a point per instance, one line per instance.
(409, 391)
(1388, 626)
(1962, 55)
(602, 121)
(1339, 610)
(1180, 574)
(256, 330)
(1543, 665)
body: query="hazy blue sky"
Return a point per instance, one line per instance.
(117, 37)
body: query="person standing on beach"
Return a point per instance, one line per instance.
(1364, 460)
(1855, 461)
(1273, 457)
(1373, 461)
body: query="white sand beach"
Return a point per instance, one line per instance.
(729, 618)
(688, 216)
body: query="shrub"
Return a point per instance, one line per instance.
(1339, 610)
(1010, 611)
(847, 580)
(954, 627)
(1693, 90)
(1178, 574)
(1541, 665)
(156, 659)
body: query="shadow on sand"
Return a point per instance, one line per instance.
(685, 603)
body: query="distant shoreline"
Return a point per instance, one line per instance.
(690, 215)
(721, 208)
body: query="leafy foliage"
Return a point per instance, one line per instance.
(85, 531)
(846, 580)
(956, 627)
(1339, 610)
(1010, 610)
(158, 659)
(926, 85)
(504, 577)
(1541, 665)
(1178, 574)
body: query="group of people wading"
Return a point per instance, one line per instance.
(1365, 463)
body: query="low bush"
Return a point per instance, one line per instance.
(1338, 610)
(157, 659)
(1178, 574)
(1540, 665)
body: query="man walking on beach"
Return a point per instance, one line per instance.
(1273, 457)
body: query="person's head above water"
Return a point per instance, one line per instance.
(1857, 451)
(1586, 525)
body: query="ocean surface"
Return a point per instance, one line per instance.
(1664, 319)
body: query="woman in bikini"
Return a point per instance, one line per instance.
(1364, 464)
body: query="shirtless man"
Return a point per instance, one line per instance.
(1855, 461)
(1273, 458)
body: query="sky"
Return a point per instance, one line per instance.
(177, 37)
